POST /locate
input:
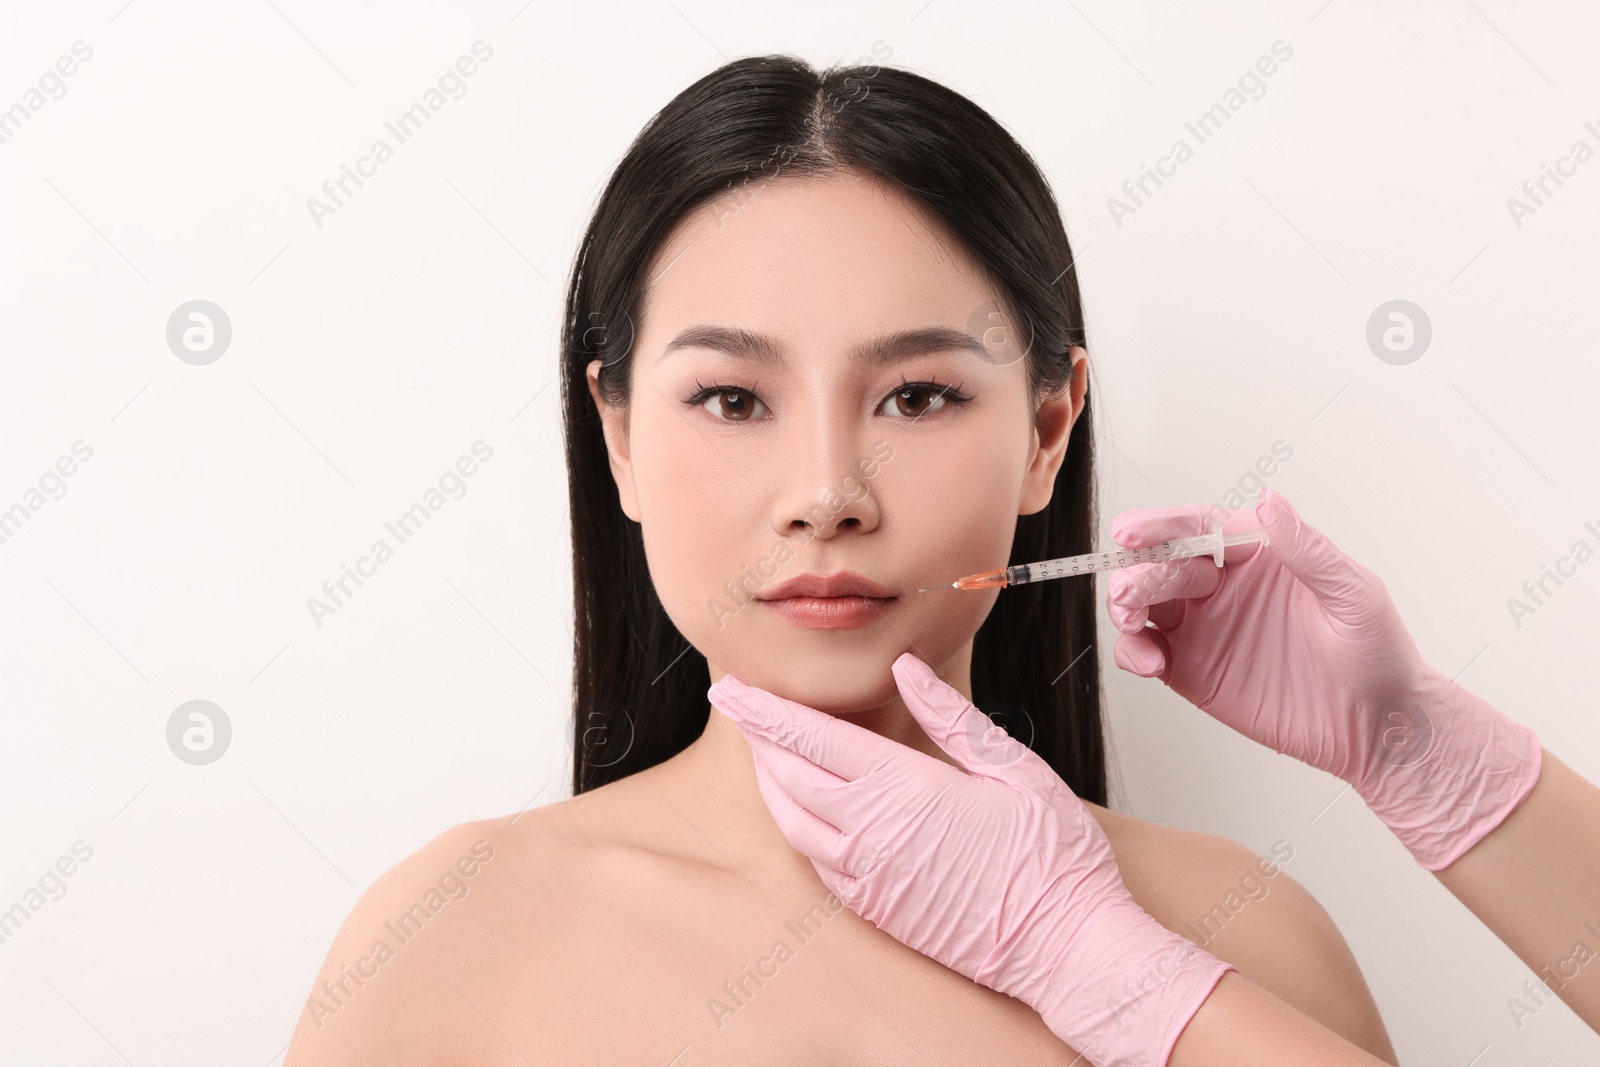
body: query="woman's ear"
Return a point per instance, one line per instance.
(1052, 428)
(614, 423)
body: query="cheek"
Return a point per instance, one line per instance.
(700, 504)
(954, 499)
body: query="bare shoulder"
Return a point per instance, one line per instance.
(1247, 910)
(401, 982)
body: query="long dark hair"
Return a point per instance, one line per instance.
(639, 689)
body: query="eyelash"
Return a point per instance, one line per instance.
(951, 393)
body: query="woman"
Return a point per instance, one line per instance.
(823, 337)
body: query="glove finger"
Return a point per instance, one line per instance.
(1143, 653)
(805, 832)
(1140, 527)
(969, 736)
(1308, 554)
(850, 890)
(837, 857)
(848, 750)
(819, 791)
(1129, 620)
(1145, 585)
(952, 721)
(859, 867)
(1167, 615)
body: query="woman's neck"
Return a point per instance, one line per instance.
(711, 785)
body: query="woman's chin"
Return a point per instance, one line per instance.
(825, 684)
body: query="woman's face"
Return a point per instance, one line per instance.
(758, 446)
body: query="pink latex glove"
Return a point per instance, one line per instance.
(997, 871)
(1297, 646)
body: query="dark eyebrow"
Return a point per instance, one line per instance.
(891, 348)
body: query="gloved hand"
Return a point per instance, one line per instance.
(1298, 646)
(997, 871)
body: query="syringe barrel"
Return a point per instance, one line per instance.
(1088, 563)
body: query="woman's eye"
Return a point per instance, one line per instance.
(914, 401)
(733, 405)
(911, 401)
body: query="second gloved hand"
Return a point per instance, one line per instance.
(998, 871)
(1297, 646)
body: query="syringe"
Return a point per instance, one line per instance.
(1210, 544)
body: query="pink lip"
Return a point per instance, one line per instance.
(843, 600)
(837, 584)
(829, 612)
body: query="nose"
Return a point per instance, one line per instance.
(824, 484)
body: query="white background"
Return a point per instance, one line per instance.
(1226, 314)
